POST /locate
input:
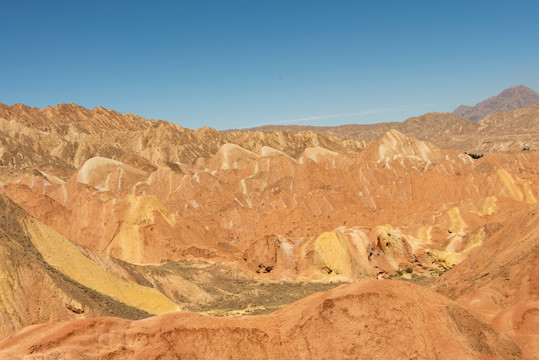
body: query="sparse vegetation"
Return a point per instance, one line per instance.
(236, 293)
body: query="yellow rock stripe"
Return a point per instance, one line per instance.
(66, 257)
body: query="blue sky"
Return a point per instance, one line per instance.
(236, 64)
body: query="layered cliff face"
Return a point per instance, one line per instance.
(138, 218)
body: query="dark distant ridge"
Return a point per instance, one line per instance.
(510, 99)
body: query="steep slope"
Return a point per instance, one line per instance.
(509, 99)
(500, 283)
(44, 278)
(367, 320)
(33, 289)
(395, 145)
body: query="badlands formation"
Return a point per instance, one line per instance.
(123, 237)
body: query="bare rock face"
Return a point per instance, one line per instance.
(367, 320)
(236, 198)
(396, 146)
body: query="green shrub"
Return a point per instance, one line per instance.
(474, 156)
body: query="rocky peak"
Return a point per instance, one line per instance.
(509, 99)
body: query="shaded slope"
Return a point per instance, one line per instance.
(44, 277)
(215, 222)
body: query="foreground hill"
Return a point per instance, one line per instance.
(367, 320)
(510, 99)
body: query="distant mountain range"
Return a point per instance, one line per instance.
(509, 120)
(512, 98)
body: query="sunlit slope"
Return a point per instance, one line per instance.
(64, 256)
(44, 277)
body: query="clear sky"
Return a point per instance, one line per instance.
(236, 64)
